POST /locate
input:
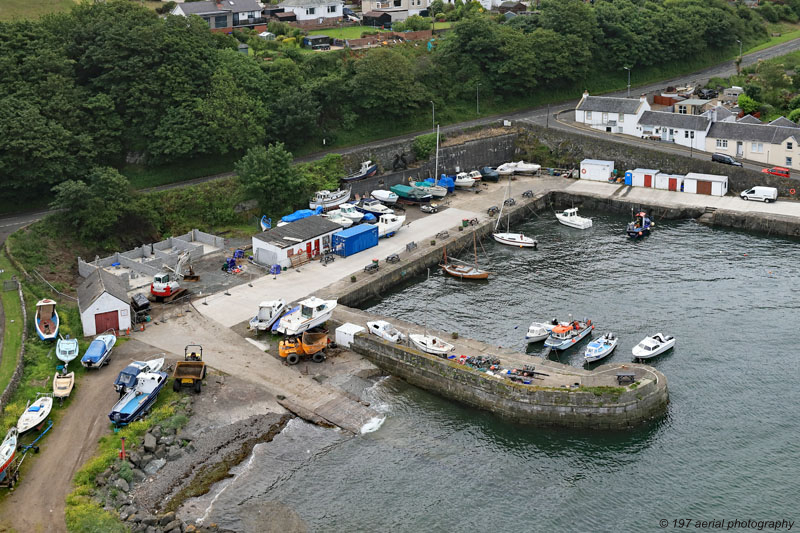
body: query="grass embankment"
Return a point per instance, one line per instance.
(12, 327)
(83, 512)
(32, 9)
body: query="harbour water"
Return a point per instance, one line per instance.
(726, 450)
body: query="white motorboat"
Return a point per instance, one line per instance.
(476, 175)
(8, 449)
(653, 346)
(269, 312)
(521, 167)
(431, 344)
(329, 199)
(374, 207)
(570, 217)
(382, 195)
(35, 413)
(337, 218)
(539, 331)
(385, 330)
(99, 351)
(311, 313)
(463, 181)
(506, 169)
(67, 349)
(600, 348)
(350, 211)
(388, 225)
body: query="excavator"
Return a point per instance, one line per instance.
(165, 286)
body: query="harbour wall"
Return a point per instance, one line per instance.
(594, 408)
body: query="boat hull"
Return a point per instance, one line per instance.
(30, 418)
(62, 385)
(387, 197)
(47, 329)
(565, 344)
(421, 342)
(581, 223)
(67, 350)
(435, 191)
(365, 173)
(637, 233)
(99, 351)
(465, 272)
(640, 354)
(330, 201)
(515, 239)
(8, 450)
(604, 351)
(133, 406)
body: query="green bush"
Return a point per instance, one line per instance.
(83, 515)
(413, 23)
(769, 13)
(424, 145)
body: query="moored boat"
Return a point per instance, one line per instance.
(539, 331)
(431, 344)
(464, 270)
(570, 217)
(311, 313)
(67, 349)
(652, 346)
(385, 330)
(640, 226)
(269, 312)
(565, 336)
(511, 239)
(8, 449)
(99, 351)
(35, 413)
(382, 195)
(367, 169)
(329, 199)
(137, 401)
(47, 320)
(388, 225)
(600, 348)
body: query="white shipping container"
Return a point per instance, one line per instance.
(669, 182)
(644, 177)
(695, 183)
(346, 332)
(596, 169)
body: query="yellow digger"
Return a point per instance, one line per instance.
(308, 344)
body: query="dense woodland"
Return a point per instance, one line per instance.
(81, 91)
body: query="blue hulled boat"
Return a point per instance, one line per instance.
(600, 348)
(640, 227)
(99, 350)
(138, 400)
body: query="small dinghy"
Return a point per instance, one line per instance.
(8, 449)
(46, 320)
(539, 331)
(99, 351)
(565, 336)
(570, 217)
(67, 349)
(600, 348)
(62, 384)
(382, 195)
(136, 403)
(126, 379)
(653, 346)
(385, 331)
(640, 227)
(269, 312)
(265, 223)
(431, 344)
(35, 413)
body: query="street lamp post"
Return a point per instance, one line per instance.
(478, 100)
(629, 80)
(739, 60)
(433, 116)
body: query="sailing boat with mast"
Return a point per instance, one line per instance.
(508, 238)
(464, 271)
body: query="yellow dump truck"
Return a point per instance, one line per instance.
(309, 344)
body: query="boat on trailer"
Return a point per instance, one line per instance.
(36, 413)
(99, 351)
(47, 320)
(329, 199)
(311, 312)
(126, 379)
(374, 207)
(136, 403)
(269, 312)
(382, 195)
(67, 349)
(63, 382)
(386, 331)
(388, 225)
(8, 449)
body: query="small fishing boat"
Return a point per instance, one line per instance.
(349, 211)
(521, 167)
(63, 382)
(382, 195)
(367, 169)
(269, 312)
(567, 335)
(506, 169)
(463, 181)
(67, 349)
(653, 346)
(410, 194)
(311, 313)
(489, 174)
(374, 207)
(385, 330)
(329, 199)
(431, 344)
(570, 217)
(600, 348)
(640, 226)
(265, 223)
(8, 449)
(126, 379)
(46, 320)
(137, 401)
(99, 351)
(336, 217)
(35, 413)
(388, 225)
(464, 271)
(539, 331)
(299, 215)
(437, 191)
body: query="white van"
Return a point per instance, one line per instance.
(764, 194)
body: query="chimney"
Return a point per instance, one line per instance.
(585, 93)
(643, 98)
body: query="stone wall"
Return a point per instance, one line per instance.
(599, 409)
(17, 375)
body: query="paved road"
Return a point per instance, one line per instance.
(538, 115)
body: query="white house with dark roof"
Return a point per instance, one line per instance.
(771, 145)
(223, 14)
(686, 130)
(298, 241)
(313, 9)
(611, 114)
(103, 303)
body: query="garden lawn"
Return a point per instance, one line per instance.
(348, 32)
(31, 9)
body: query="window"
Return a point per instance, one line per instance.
(588, 115)
(621, 118)
(398, 3)
(788, 161)
(722, 143)
(686, 134)
(311, 10)
(682, 109)
(788, 146)
(757, 148)
(221, 21)
(331, 9)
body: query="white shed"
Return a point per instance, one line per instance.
(695, 183)
(295, 243)
(103, 303)
(596, 169)
(346, 332)
(669, 182)
(644, 177)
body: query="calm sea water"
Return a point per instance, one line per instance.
(727, 449)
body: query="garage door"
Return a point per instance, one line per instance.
(106, 321)
(648, 180)
(673, 184)
(703, 187)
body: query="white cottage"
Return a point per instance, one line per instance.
(611, 114)
(596, 169)
(296, 242)
(696, 183)
(317, 10)
(644, 177)
(687, 130)
(103, 303)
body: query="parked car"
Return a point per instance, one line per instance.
(707, 94)
(777, 171)
(763, 194)
(725, 159)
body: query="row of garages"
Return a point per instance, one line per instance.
(692, 183)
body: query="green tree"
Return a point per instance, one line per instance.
(383, 80)
(267, 175)
(794, 115)
(747, 104)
